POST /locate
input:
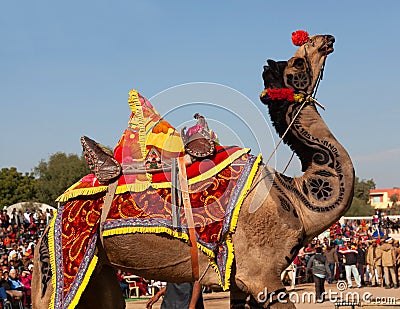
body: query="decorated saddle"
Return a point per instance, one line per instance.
(142, 202)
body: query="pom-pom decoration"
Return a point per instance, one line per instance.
(300, 37)
(281, 94)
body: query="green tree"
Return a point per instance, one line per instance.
(360, 205)
(362, 188)
(359, 208)
(58, 174)
(16, 187)
(394, 198)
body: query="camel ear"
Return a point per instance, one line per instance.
(273, 65)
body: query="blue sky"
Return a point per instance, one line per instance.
(66, 69)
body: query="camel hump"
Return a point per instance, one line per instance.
(100, 160)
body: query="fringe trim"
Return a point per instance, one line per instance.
(134, 98)
(52, 260)
(243, 194)
(156, 230)
(84, 283)
(206, 251)
(135, 101)
(229, 262)
(140, 187)
(131, 100)
(235, 217)
(77, 192)
(146, 230)
(215, 267)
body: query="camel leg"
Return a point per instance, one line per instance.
(103, 291)
(271, 258)
(41, 286)
(237, 296)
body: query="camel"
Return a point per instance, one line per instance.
(278, 216)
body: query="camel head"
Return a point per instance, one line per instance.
(287, 83)
(300, 72)
(303, 69)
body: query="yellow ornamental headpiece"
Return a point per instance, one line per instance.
(148, 136)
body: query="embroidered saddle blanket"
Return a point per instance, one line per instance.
(215, 200)
(217, 187)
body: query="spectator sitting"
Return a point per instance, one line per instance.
(26, 279)
(13, 251)
(4, 285)
(7, 241)
(143, 289)
(122, 282)
(5, 263)
(25, 246)
(26, 260)
(17, 290)
(17, 263)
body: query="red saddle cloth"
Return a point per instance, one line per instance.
(217, 188)
(142, 202)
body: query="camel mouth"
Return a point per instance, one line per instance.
(328, 45)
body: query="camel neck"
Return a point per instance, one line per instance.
(326, 187)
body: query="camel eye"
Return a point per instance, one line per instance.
(299, 63)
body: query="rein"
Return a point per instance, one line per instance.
(254, 184)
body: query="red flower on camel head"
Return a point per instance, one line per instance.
(300, 37)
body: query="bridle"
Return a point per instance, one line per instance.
(309, 98)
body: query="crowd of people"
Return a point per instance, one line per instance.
(359, 250)
(19, 233)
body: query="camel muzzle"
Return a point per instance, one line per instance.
(328, 46)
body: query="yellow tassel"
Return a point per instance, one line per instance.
(231, 255)
(84, 283)
(243, 194)
(146, 230)
(207, 251)
(135, 187)
(137, 110)
(298, 97)
(235, 217)
(132, 100)
(77, 192)
(52, 259)
(215, 267)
